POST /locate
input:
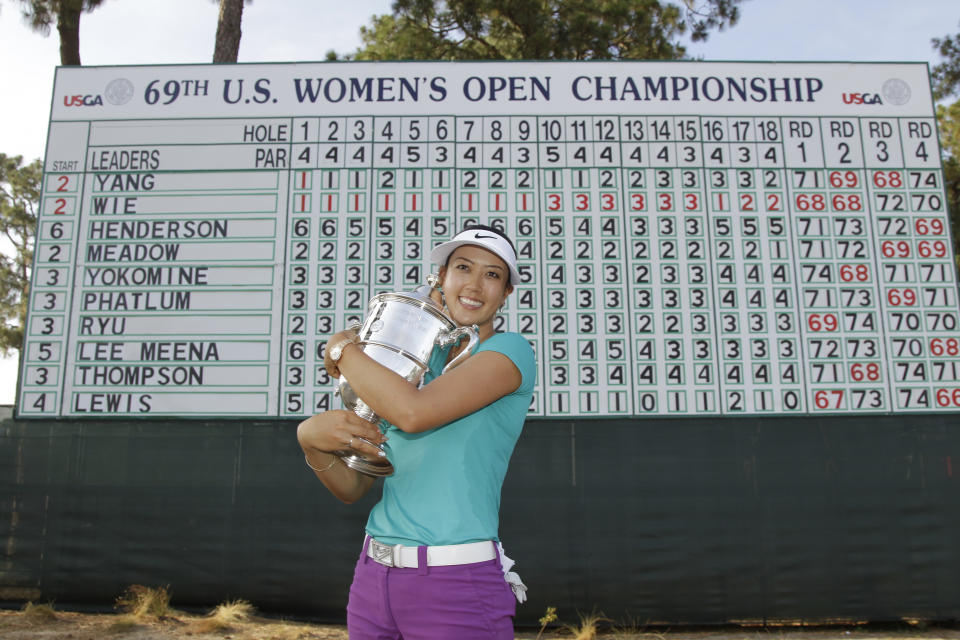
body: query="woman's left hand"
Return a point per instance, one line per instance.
(339, 430)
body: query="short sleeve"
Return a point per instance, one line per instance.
(520, 352)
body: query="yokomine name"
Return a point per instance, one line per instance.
(144, 276)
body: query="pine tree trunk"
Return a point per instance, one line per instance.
(68, 26)
(228, 31)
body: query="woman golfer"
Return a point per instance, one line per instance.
(431, 566)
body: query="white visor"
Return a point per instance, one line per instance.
(481, 238)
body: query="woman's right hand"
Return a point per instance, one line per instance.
(340, 430)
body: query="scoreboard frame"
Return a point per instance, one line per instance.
(695, 238)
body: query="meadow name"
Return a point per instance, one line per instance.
(132, 252)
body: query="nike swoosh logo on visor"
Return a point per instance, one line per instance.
(479, 236)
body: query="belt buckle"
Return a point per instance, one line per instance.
(382, 553)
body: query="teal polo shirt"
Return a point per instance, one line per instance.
(447, 481)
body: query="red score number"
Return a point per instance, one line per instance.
(948, 397)
(822, 322)
(932, 249)
(811, 202)
(861, 371)
(928, 226)
(849, 202)
(843, 179)
(773, 202)
(887, 179)
(828, 399)
(851, 272)
(945, 347)
(901, 297)
(895, 249)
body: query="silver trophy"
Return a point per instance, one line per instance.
(401, 331)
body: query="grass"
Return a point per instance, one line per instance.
(588, 628)
(225, 616)
(39, 613)
(140, 602)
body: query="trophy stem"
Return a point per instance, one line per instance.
(376, 468)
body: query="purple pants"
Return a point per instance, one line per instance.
(460, 602)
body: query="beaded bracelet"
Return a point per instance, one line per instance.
(327, 468)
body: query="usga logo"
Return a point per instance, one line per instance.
(118, 91)
(82, 101)
(862, 98)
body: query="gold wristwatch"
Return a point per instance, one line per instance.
(336, 351)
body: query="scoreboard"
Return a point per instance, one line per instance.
(694, 238)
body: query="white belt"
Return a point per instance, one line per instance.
(398, 555)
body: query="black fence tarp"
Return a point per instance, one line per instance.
(662, 521)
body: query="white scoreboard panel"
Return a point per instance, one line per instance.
(694, 238)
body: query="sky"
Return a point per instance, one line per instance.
(182, 31)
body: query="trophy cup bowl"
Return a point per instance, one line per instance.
(401, 332)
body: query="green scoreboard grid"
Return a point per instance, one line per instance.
(694, 238)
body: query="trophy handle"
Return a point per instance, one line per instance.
(453, 337)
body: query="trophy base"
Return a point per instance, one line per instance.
(377, 469)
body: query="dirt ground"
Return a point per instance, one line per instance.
(45, 623)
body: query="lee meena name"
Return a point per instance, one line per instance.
(155, 351)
